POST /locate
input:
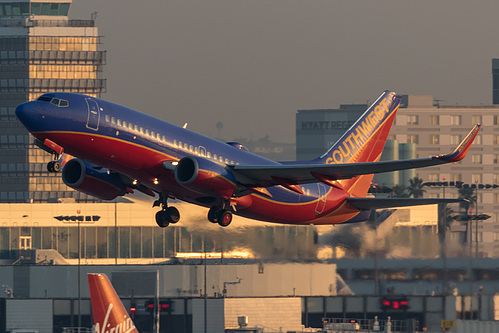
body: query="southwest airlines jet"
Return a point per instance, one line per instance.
(107, 150)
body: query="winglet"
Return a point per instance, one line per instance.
(460, 152)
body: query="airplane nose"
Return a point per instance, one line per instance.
(26, 114)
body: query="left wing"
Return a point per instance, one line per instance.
(380, 203)
(296, 174)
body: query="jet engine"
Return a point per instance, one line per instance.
(92, 179)
(204, 176)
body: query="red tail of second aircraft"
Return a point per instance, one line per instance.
(364, 141)
(110, 316)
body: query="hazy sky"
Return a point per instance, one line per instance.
(252, 63)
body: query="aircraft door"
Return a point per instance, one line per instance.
(321, 203)
(93, 118)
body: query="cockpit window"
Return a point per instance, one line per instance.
(56, 101)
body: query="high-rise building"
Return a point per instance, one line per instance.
(495, 81)
(41, 50)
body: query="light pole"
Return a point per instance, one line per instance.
(476, 218)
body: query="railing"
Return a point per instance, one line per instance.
(27, 22)
(369, 325)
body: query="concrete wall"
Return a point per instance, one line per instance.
(32, 314)
(257, 280)
(274, 314)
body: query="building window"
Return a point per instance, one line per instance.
(478, 140)
(455, 177)
(476, 158)
(455, 139)
(433, 177)
(434, 120)
(476, 119)
(455, 120)
(412, 138)
(434, 139)
(412, 120)
(476, 178)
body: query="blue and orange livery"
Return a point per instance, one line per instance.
(118, 150)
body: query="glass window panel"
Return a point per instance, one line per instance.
(124, 242)
(45, 8)
(24, 8)
(158, 243)
(111, 242)
(8, 10)
(36, 8)
(63, 9)
(73, 242)
(36, 238)
(90, 242)
(2, 11)
(4, 243)
(54, 9)
(135, 242)
(16, 9)
(62, 241)
(101, 242)
(147, 242)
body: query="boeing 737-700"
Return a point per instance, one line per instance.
(107, 150)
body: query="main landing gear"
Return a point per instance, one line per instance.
(220, 215)
(167, 214)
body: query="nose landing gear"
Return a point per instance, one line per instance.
(53, 166)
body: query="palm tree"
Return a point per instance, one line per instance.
(399, 191)
(468, 194)
(415, 187)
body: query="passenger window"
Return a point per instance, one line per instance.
(147, 132)
(130, 126)
(119, 122)
(186, 146)
(158, 136)
(175, 143)
(141, 130)
(208, 154)
(113, 120)
(215, 156)
(152, 134)
(107, 118)
(221, 159)
(191, 148)
(136, 128)
(226, 161)
(124, 123)
(180, 144)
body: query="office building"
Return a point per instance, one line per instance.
(41, 50)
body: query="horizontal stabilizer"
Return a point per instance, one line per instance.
(379, 203)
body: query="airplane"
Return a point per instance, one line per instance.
(108, 150)
(109, 313)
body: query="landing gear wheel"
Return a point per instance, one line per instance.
(213, 214)
(161, 219)
(53, 166)
(172, 214)
(224, 218)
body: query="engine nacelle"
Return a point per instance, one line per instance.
(83, 177)
(204, 176)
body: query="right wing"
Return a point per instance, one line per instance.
(296, 174)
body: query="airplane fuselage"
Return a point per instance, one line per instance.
(137, 145)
